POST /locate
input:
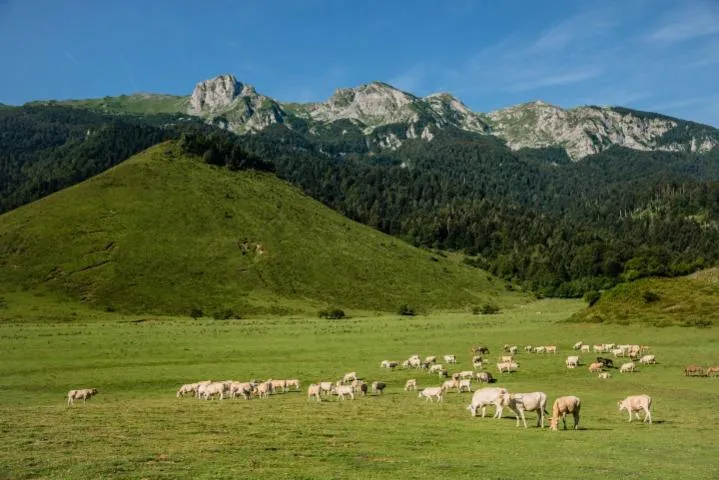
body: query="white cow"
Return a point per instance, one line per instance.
(572, 361)
(647, 359)
(577, 345)
(391, 364)
(211, 389)
(343, 390)
(487, 396)
(449, 384)
(436, 368)
(635, 404)
(450, 359)
(527, 402)
(627, 367)
(432, 392)
(83, 393)
(410, 385)
(465, 385)
(349, 377)
(507, 367)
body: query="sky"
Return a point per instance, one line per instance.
(655, 55)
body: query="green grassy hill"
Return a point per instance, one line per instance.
(685, 301)
(137, 103)
(164, 233)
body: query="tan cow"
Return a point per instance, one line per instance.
(596, 367)
(410, 385)
(635, 404)
(627, 367)
(562, 406)
(313, 391)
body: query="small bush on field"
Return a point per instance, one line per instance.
(701, 323)
(196, 313)
(407, 310)
(486, 309)
(226, 314)
(331, 313)
(592, 297)
(650, 297)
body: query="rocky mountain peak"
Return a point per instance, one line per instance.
(217, 93)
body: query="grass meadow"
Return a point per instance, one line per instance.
(137, 428)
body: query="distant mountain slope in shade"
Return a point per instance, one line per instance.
(388, 117)
(166, 233)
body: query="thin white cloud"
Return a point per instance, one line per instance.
(72, 58)
(555, 79)
(687, 22)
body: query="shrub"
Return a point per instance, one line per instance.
(486, 309)
(407, 310)
(196, 313)
(650, 297)
(592, 297)
(225, 314)
(331, 313)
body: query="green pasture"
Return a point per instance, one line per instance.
(137, 428)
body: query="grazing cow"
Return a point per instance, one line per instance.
(465, 385)
(481, 350)
(540, 349)
(528, 348)
(477, 364)
(264, 389)
(635, 404)
(562, 406)
(487, 396)
(643, 348)
(572, 361)
(466, 374)
(410, 385)
(431, 359)
(577, 345)
(596, 367)
(627, 367)
(432, 392)
(359, 386)
(484, 377)
(607, 362)
(507, 367)
(450, 359)
(83, 393)
(293, 383)
(604, 375)
(443, 373)
(313, 391)
(449, 384)
(326, 387)
(527, 402)
(551, 349)
(378, 387)
(279, 385)
(693, 370)
(506, 358)
(349, 377)
(343, 390)
(584, 348)
(598, 348)
(211, 389)
(647, 359)
(513, 350)
(619, 352)
(436, 368)
(391, 364)
(506, 348)
(246, 389)
(187, 388)
(414, 361)
(712, 371)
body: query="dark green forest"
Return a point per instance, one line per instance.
(532, 217)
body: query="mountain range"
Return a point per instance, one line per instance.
(387, 117)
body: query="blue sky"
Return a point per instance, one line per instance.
(657, 55)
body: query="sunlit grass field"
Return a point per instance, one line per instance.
(136, 427)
